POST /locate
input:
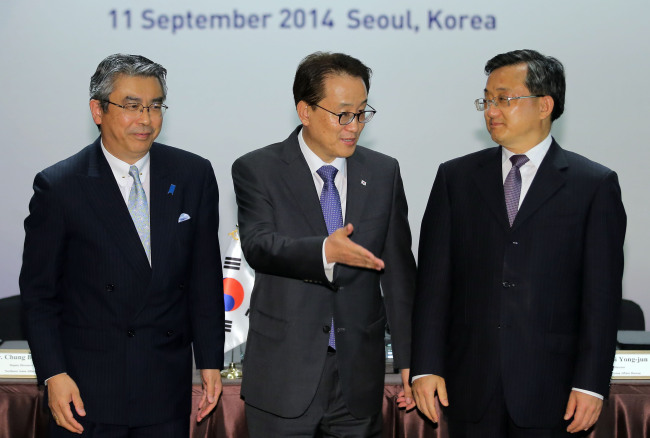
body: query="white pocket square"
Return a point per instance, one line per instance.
(183, 217)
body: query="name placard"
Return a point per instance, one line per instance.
(631, 364)
(16, 361)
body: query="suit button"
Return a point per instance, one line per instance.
(170, 332)
(326, 329)
(181, 286)
(131, 333)
(110, 287)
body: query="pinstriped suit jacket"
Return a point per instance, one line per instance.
(533, 307)
(94, 307)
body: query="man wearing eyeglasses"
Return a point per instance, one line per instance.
(315, 351)
(121, 272)
(520, 268)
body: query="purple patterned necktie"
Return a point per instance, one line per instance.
(330, 203)
(512, 186)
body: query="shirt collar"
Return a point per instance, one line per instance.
(535, 155)
(121, 168)
(313, 161)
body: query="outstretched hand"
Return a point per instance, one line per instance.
(340, 249)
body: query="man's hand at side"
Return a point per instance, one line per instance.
(585, 410)
(405, 396)
(211, 381)
(424, 390)
(340, 249)
(61, 391)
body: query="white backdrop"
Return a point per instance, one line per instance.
(231, 67)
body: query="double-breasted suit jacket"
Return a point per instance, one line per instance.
(122, 328)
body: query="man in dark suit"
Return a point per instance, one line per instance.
(315, 351)
(520, 269)
(117, 290)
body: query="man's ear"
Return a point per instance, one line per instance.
(546, 106)
(96, 111)
(304, 112)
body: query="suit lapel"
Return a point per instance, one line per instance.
(161, 208)
(489, 182)
(301, 184)
(548, 180)
(164, 207)
(104, 197)
(359, 179)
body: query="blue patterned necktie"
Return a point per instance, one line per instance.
(330, 203)
(512, 186)
(140, 210)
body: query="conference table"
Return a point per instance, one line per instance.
(23, 413)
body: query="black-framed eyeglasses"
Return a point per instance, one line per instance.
(484, 104)
(133, 109)
(346, 117)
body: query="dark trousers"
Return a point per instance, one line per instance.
(172, 429)
(497, 423)
(326, 416)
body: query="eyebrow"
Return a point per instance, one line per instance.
(485, 90)
(137, 99)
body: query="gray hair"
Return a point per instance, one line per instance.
(545, 75)
(103, 81)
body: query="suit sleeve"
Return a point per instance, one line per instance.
(433, 287)
(43, 256)
(206, 293)
(602, 287)
(266, 249)
(398, 278)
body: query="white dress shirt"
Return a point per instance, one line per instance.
(124, 180)
(340, 181)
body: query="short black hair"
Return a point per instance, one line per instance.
(309, 83)
(545, 75)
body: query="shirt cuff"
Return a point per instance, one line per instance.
(51, 377)
(589, 392)
(329, 267)
(414, 378)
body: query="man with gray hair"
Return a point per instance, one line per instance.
(121, 271)
(519, 270)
